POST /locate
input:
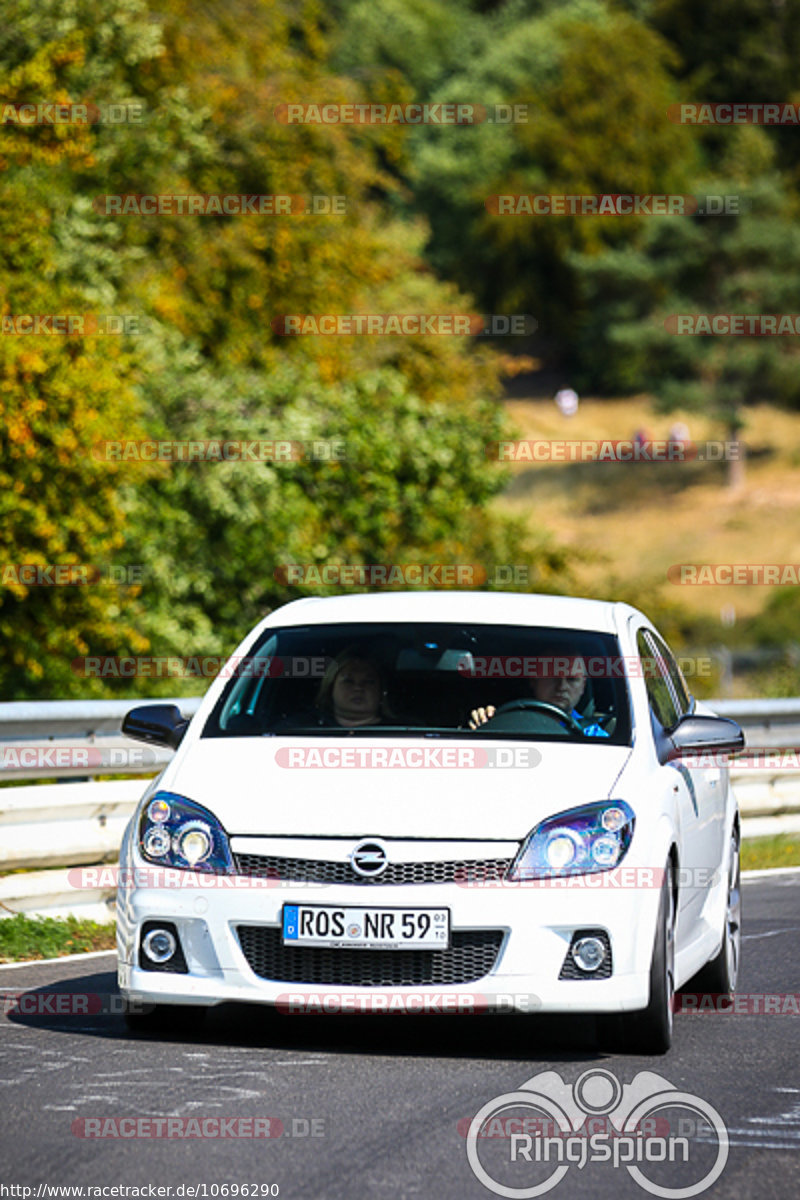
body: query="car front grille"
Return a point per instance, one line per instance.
(470, 956)
(305, 870)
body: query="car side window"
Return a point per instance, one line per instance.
(656, 680)
(679, 687)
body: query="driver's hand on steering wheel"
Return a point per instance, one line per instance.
(479, 716)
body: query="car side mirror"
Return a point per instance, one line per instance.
(701, 734)
(158, 724)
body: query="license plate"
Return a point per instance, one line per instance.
(366, 928)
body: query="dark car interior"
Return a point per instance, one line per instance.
(432, 677)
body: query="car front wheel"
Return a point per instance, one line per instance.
(720, 974)
(650, 1030)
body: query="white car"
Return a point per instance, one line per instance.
(437, 802)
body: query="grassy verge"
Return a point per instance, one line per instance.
(760, 853)
(45, 937)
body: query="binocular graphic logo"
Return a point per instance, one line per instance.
(523, 1143)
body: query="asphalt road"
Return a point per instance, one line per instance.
(377, 1106)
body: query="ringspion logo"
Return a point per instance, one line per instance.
(645, 1124)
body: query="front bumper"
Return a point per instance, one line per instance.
(536, 924)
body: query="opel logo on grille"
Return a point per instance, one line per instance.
(369, 859)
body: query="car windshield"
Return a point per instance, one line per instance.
(434, 680)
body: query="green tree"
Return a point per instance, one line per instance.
(596, 83)
(408, 481)
(417, 412)
(58, 394)
(703, 264)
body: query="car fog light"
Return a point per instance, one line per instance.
(159, 945)
(157, 842)
(589, 953)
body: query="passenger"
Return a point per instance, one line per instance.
(353, 693)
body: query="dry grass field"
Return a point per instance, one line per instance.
(629, 522)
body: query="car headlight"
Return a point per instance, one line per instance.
(592, 838)
(176, 832)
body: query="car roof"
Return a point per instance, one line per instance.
(481, 608)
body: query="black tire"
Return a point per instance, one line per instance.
(650, 1030)
(720, 974)
(166, 1018)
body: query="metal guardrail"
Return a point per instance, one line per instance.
(76, 739)
(80, 820)
(765, 722)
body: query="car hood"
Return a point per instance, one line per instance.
(254, 788)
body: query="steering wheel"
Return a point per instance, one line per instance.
(550, 710)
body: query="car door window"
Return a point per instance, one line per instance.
(679, 687)
(659, 691)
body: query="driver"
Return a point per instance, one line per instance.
(563, 689)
